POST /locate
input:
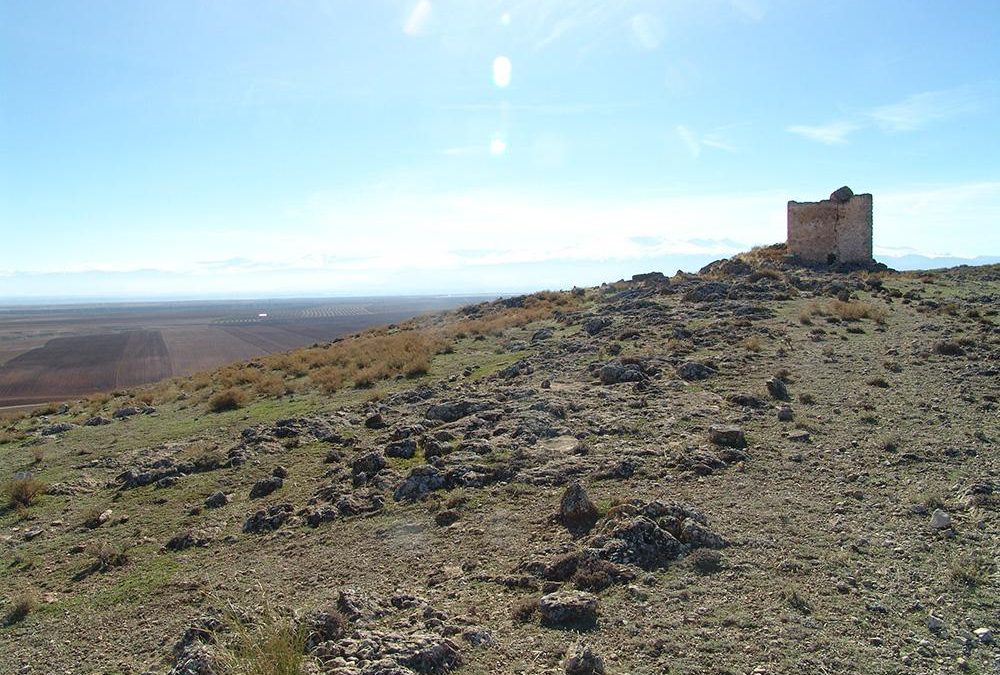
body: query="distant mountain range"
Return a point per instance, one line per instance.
(20, 288)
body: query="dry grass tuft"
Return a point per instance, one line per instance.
(524, 610)
(856, 310)
(271, 644)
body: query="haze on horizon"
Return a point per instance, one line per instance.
(440, 146)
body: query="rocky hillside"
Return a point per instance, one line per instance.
(757, 469)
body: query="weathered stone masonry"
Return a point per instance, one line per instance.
(835, 230)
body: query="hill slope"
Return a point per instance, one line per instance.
(760, 469)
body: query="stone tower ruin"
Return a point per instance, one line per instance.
(835, 230)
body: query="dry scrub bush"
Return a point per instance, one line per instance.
(21, 605)
(22, 492)
(227, 399)
(105, 556)
(752, 344)
(537, 307)
(11, 436)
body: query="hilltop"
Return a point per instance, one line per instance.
(760, 468)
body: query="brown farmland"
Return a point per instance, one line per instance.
(61, 352)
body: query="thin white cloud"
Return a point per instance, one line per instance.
(417, 20)
(689, 140)
(541, 108)
(911, 114)
(834, 133)
(695, 142)
(917, 111)
(647, 31)
(752, 9)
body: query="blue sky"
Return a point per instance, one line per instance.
(340, 147)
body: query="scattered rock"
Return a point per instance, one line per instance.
(777, 389)
(266, 486)
(454, 411)
(984, 635)
(55, 429)
(581, 660)
(692, 370)
(422, 480)
(96, 421)
(266, 520)
(188, 539)
(785, 413)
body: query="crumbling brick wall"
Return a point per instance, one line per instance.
(835, 230)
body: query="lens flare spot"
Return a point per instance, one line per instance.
(501, 71)
(498, 146)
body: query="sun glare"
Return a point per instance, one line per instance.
(501, 71)
(498, 147)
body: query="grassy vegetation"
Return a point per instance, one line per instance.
(852, 310)
(272, 644)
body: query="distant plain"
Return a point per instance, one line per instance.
(58, 352)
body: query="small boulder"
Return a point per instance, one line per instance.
(216, 500)
(265, 486)
(727, 435)
(777, 389)
(96, 421)
(596, 324)
(692, 370)
(841, 195)
(368, 464)
(940, 519)
(375, 421)
(617, 373)
(576, 511)
(568, 608)
(404, 449)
